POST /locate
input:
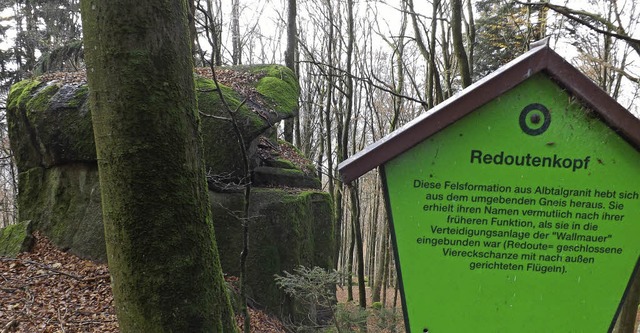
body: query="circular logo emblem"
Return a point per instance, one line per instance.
(535, 119)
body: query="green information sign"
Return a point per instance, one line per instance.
(521, 217)
(515, 207)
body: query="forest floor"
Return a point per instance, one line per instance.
(50, 291)
(389, 321)
(342, 296)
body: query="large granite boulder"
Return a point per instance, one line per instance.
(52, 138)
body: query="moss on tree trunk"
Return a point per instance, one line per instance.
(166, 275)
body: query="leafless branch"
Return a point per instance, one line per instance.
(618, 70)
(380, 86)
(246, 173)
(583, 17)
(204, 114)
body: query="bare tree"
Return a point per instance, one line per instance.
(236, 38)
(458, 43)
(290, 61)
(594, 21)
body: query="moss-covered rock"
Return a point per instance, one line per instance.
(49, 124)
(256, 107)
(16, 238)
(226, 209)
(280, 163)
(52, 137)
(222, 149)
(270, 176)
(64, 202)
(286, 230)
(324, 236)
(51, 134)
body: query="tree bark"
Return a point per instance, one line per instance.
(349, 265)
(164, 266)
(471, 35)
(435, 86)
(236, 40)
(626, 321)
(290, 60)
(387, 269)
(27, 41)
(328, 124)
(217, 25)
(357, 231)
(458, 44)
(380, 269)
(193, 33)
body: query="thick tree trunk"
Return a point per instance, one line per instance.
(162, 255)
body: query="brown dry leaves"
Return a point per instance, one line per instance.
(50, 291)
(79, 77)
(47, 290)
(241, 81)
(289, 153)
(268, 150)
(261, 323)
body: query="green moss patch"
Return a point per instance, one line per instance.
(280, 163)
(20, 93)
(282, 97)
(15, 238)
(286, 229)
(280, 88)
(79, 97)
(222, 151)
(279, 72)
(209, 103)
(269, 176)
(40, 100)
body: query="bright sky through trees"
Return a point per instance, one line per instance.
(263, 29)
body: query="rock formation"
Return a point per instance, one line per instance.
(290, 223)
